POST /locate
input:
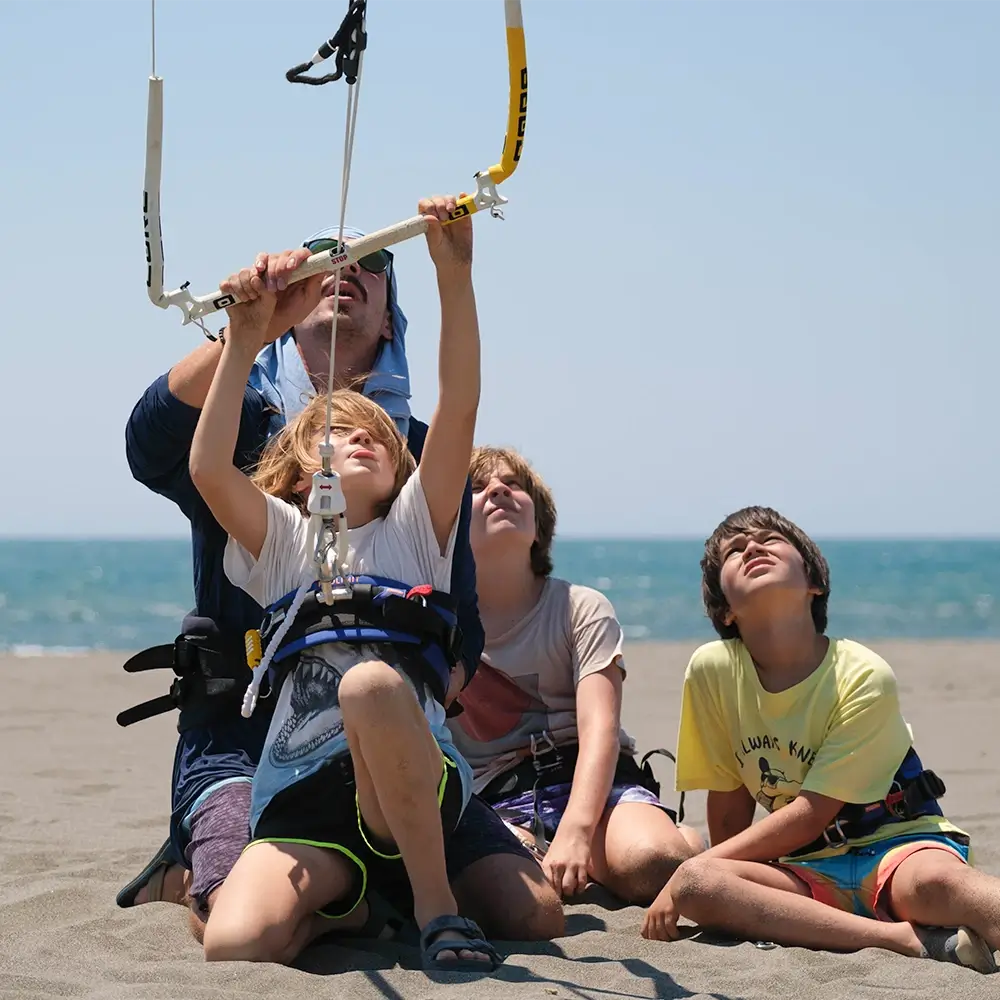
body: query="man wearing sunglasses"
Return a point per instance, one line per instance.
(494, 880)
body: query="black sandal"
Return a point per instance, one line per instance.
(468, 937)
(383, 924)
(151, 875)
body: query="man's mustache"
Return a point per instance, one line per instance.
(354, 283)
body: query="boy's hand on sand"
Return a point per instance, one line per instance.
(269, 304)
(567, 861)
(660, 923)
(450, 246)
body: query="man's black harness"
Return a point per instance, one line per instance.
(210, 677)
(212, 674)
(914, 793)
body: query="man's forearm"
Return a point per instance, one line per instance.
(190, 379)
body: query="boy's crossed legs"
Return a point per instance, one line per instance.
(267, 909)
(926, 903)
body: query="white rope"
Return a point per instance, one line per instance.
(250, 698)
(353, 96)
(326, 449)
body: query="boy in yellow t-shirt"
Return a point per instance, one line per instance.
(854, 852)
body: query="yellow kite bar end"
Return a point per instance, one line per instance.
(486, 195)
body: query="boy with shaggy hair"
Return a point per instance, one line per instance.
(854, 852)
(541, 721)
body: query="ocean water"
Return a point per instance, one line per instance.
(73, 596)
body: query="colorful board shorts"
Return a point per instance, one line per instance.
(855, 880)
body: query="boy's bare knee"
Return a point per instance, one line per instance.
(369, 688)
(693, 882)
(939, 883)
(646, 868)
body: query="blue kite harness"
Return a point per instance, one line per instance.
(420, 622)
(914, 792)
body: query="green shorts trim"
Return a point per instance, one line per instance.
(295, 808)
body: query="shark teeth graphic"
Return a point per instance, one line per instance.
(314, 693)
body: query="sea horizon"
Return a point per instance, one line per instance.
(81, 594)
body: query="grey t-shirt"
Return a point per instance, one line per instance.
(527, 678)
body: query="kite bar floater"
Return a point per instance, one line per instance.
(196, 307)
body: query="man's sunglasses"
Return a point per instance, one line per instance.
(373, 263)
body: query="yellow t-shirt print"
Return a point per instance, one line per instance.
(776, 788)
(839, 732)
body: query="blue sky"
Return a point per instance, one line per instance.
(751, 254)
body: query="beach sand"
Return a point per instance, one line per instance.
(84, 803)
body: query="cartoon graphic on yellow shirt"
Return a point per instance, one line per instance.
(776, 788)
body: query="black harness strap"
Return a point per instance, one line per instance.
(208, 673)
(555, 765)
(908, 799)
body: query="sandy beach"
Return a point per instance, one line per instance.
(83, 803)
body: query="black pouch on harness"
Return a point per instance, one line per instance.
(210, 676)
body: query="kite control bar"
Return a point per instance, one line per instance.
(196, 307)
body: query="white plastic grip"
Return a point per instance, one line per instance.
(205, 305)
(151, 191)
(326, 498)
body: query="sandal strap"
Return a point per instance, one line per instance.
(469, 937)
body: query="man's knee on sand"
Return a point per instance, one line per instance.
(510, 898)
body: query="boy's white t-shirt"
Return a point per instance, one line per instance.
(307, 729)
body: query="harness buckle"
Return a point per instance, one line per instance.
(836, 827)
(895, 801)
(185, 654)
(538, 751)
